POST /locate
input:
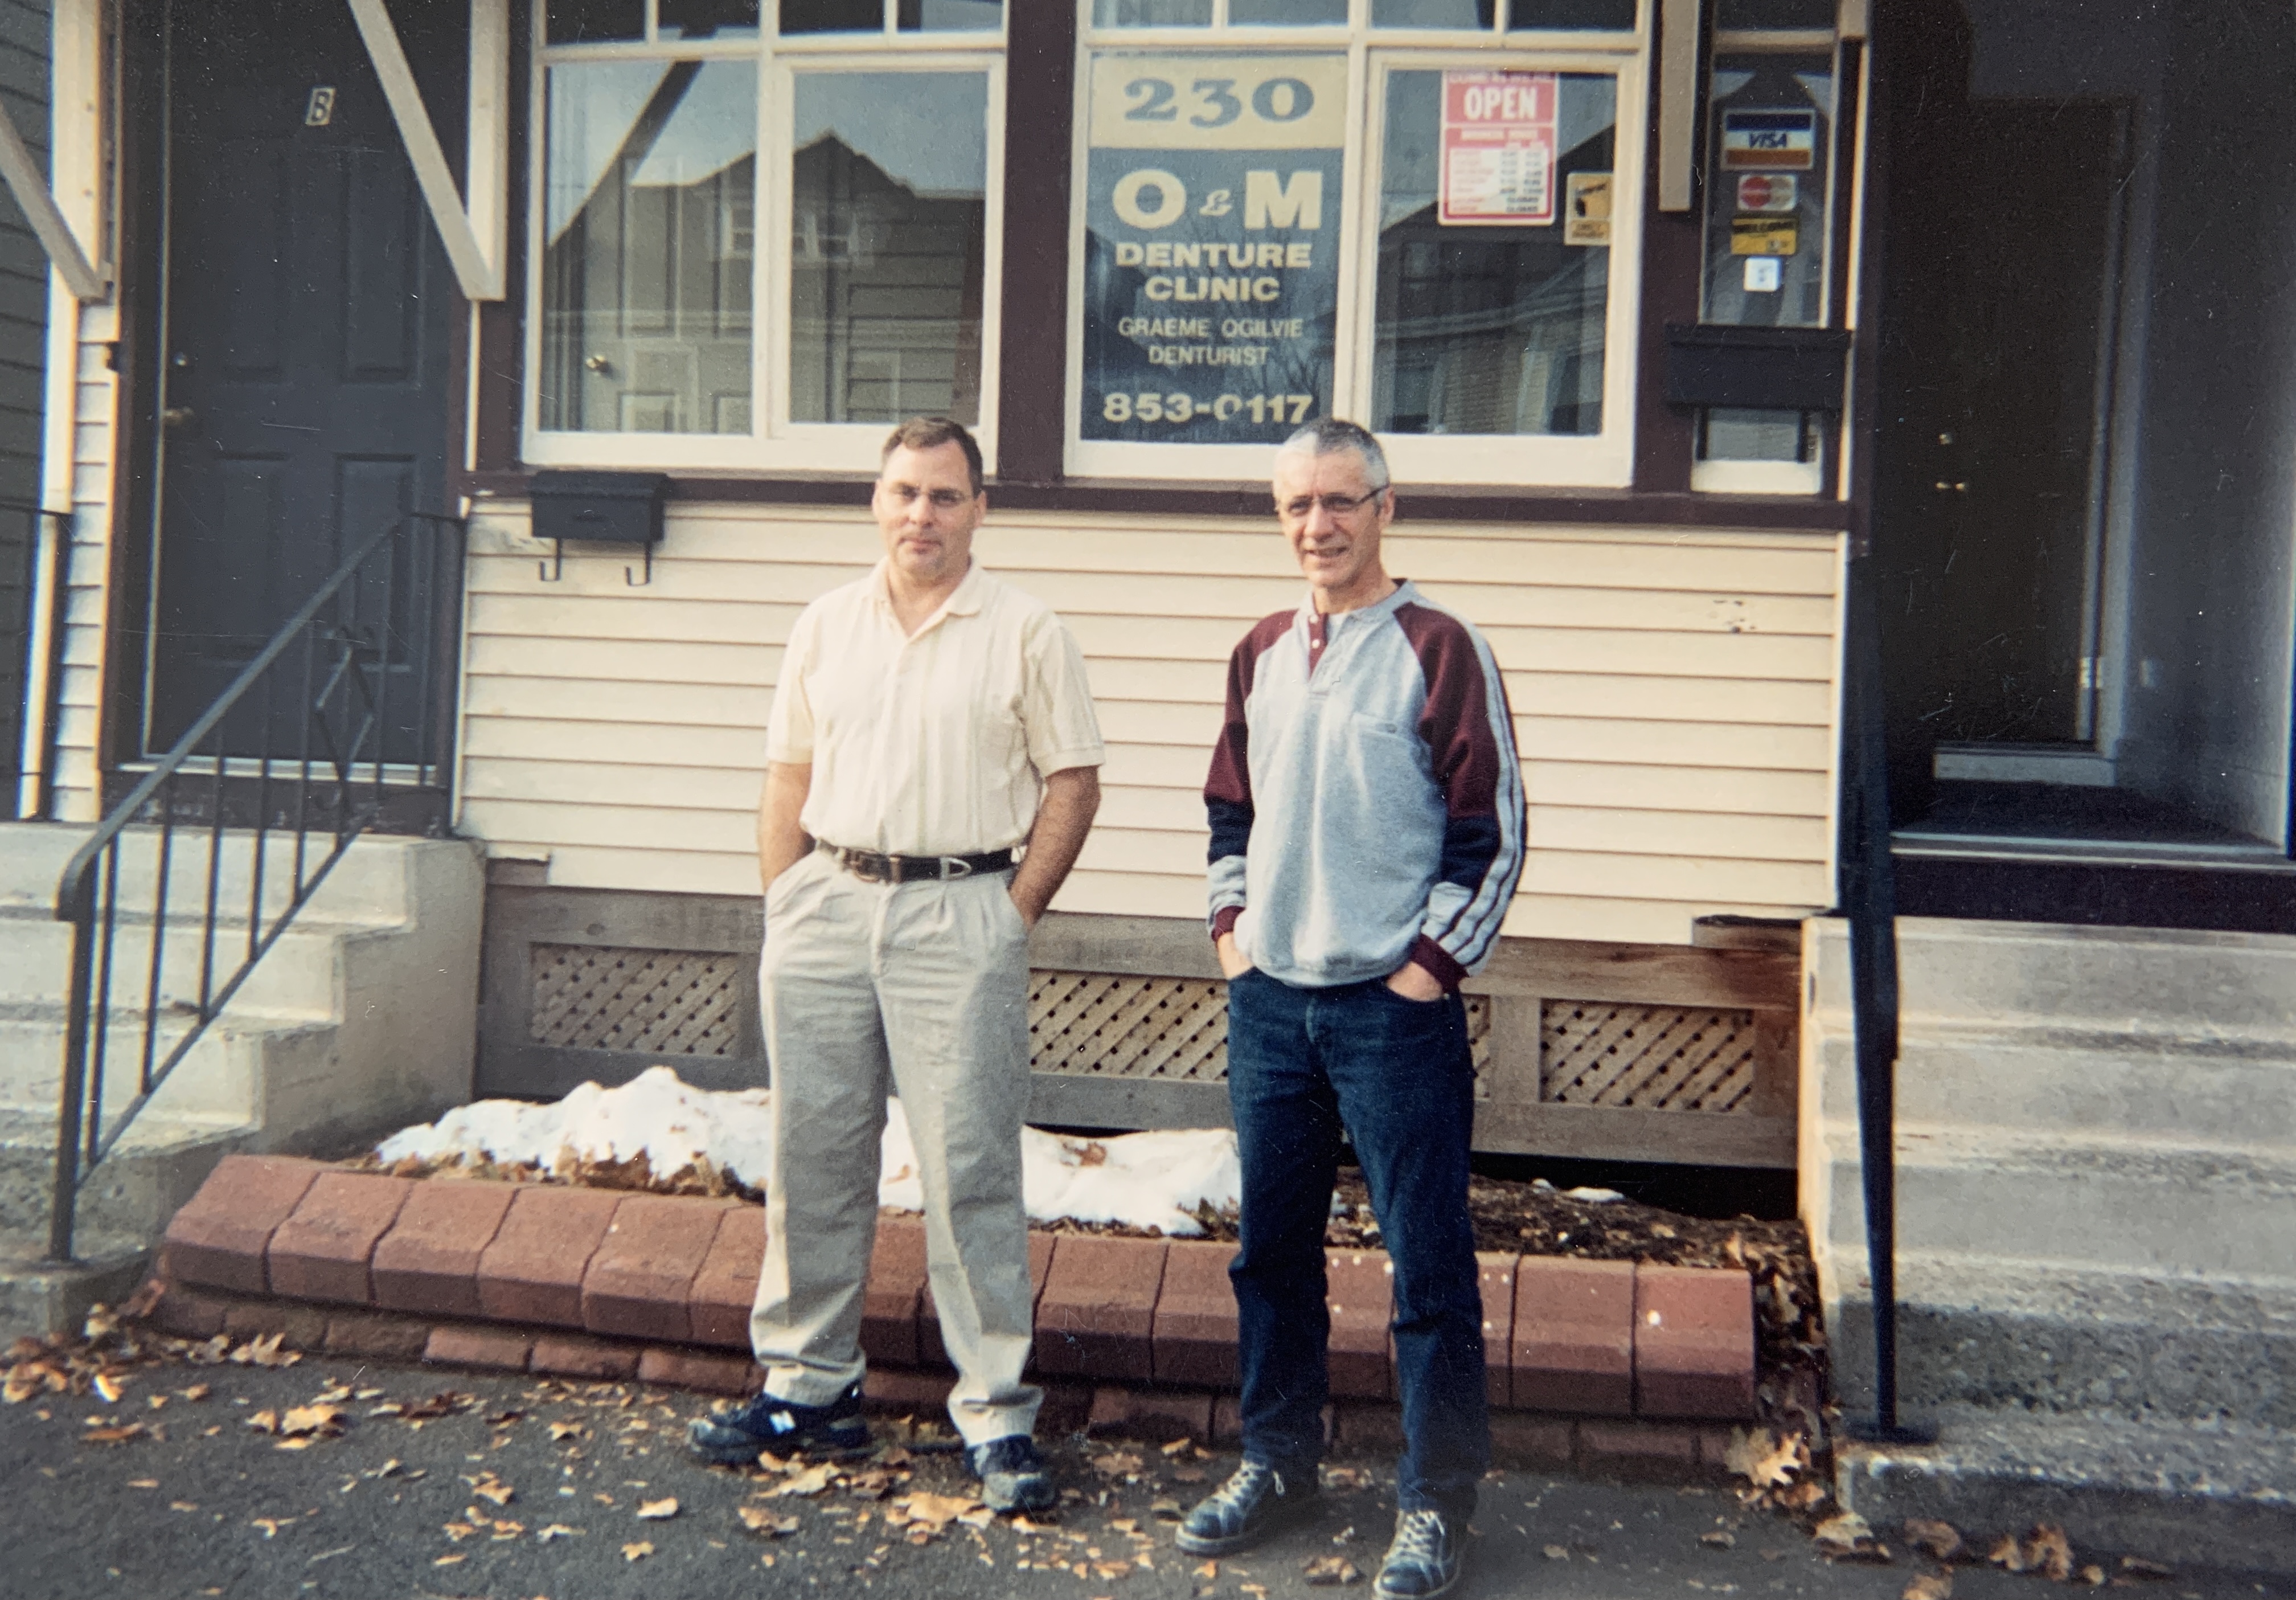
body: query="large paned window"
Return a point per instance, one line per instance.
(761, 240)
(1419, 214)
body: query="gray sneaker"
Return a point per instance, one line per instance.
(1012, 1474)
(1425, 1558)
(1255, 1501)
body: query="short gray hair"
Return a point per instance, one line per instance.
(1329, 435)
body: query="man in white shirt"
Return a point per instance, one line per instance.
(928, 719)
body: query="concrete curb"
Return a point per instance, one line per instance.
(1602, 1364)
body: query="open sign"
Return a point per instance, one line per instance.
(1524, 99)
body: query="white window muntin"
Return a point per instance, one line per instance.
(773, 443)
(1359, 25)
(1601, 460)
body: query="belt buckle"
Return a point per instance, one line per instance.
(953, 867)
(869, 867)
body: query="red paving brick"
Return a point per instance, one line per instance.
(218, 1239)
(575, 1356)
(1639, 1449)
(1520, 1439)
(897, 1284)
(922, 1392)
(377, 1338)
(1574, 1336)
(533, 1270)
(931, 1351)
(717, 1305)
(188, 1314)
(1157, 1414)
(1360, 1294)
(428, 1263)
(1099, 1307)
(299, 1327)
(1693, 1342)
(706, 1370)
(643, 1269)
(1376, 1426)
(1494, 1273)
(1194, 1329)
(321, 1250)
(465, 1344)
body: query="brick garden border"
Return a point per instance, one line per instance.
(1606, 1365)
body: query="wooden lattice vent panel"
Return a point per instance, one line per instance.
(660, 1002)
(1666, 1058)
(1107, 1025)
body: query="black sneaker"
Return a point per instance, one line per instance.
(1425, 1560)
(1012, 1473)
(1255, 1501)
(785, 1427)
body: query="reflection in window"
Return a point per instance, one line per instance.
(1152, 13)
(1619, 14)
(594, 21)
(707, 19)
(950, 16)
(648, 244)
(1483, 329)
(1286, 14)
(832, 16)
(888, 222)
(1431, 14)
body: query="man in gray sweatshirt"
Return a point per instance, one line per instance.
(1367, 814)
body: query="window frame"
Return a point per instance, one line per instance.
(1530, 461)
(775, 444)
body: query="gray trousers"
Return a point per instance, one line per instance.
(920, 989)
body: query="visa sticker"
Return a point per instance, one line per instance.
(1776, 141)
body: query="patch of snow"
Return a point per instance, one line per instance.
(1141, 1180)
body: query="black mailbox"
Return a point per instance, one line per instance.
(1759, 369)
(598, 508)
(605, 508)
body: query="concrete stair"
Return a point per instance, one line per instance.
(2096, 1220)
(361, 1018)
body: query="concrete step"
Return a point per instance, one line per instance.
(2165, 981)
(222, 1078)
(2210, 1493)
(2204, 1088)
(369, 884)
(2131, 1204)
(296, 974)
(2061, 1335)
(38, 1296)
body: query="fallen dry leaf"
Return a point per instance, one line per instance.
(1928, 1585)
(1116, 1463)
(1717, 1539)
(2137, 1566)
(266, 1420)
(1177, 1447)
(2093, 1575)
(757, 1519)
(142, 1483)
(272, 1525)
(490, 1488)
(197, 1391)
(566, 1431)
(2049, 1553)
(658, 1510)
(555, 1530)
(637, 1552)
(1763, 1458)
(1326, 1571)
(119, 1435)
(448, 1560)
(311, 1419)
(1940, 1541)
(1555, 1553)
(812, 1481)
(110, 1387)
(2007, 1553)
(265, 1351)
(1843, 1531)
(934, 1511)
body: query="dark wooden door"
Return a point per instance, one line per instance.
(304, 335)
(2001, 272)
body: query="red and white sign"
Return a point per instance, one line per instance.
(1768, 192)
(1498, 149)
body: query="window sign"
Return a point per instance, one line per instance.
(1498, 149)
(1211, 245)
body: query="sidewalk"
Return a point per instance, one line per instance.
(518, 1487)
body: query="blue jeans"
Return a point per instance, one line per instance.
(1395, 1076)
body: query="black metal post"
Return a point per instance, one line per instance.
(1869, 901)
(64, 1202)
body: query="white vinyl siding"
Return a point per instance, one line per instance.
(1673, 692)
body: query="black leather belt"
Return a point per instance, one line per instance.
(874, 869)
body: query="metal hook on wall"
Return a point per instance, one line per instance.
(554, 568)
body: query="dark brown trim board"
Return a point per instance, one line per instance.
(1673, 248)
(1032, 355)
(2222, 899)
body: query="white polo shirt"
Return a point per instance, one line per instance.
(935, 744)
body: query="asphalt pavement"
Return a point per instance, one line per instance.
(328, 1478)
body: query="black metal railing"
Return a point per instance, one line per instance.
(1869, 902)
(360, 683)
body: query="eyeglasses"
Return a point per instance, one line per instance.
(1334, 506)
(942, 499)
